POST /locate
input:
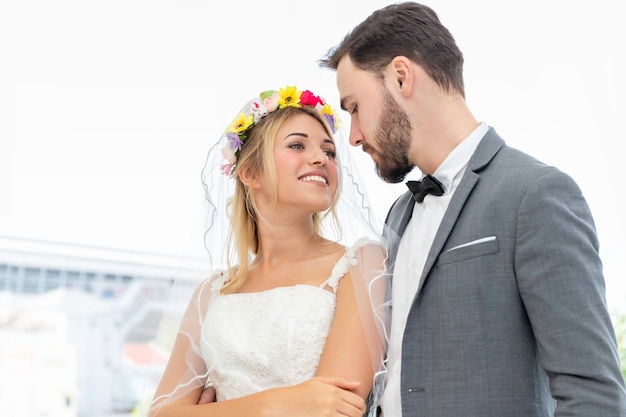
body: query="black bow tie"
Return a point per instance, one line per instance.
(428, 185)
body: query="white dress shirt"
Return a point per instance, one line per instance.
(411, 257)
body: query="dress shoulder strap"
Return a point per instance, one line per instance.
(218, 279)
(344, 263)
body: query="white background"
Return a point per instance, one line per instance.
(107, 108)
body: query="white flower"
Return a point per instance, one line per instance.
(229, 155)
(259, 112)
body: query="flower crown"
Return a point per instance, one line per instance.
(268, 102)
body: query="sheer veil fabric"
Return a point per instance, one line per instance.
(360, 233)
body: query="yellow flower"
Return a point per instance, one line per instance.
(330, 117)
(327, 110)
(241, 123)
(289, 96)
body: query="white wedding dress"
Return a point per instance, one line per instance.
(255, 341)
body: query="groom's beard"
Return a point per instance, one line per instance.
(393, 137)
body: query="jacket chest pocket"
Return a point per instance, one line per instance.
(480, 247)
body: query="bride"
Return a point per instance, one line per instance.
(294, 322)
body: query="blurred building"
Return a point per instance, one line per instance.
(77, 326)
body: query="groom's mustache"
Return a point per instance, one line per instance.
(366, 148)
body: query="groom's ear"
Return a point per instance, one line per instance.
(403, 75)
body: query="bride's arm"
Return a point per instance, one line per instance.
(171, 394)
(182, 384)
(313, 398)
(355, 344)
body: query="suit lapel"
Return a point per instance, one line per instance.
(486, 150)
(395, 224)
(449, 220)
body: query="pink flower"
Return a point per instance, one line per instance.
(271, 103)
(226, 168)
(309, 99)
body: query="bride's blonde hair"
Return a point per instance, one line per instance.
(256, 160)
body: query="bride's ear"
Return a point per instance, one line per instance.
(248, 178)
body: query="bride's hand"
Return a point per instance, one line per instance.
(319, 396)
(207, 396)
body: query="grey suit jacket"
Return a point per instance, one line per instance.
(517, 324)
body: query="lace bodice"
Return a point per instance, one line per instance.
(256, 341)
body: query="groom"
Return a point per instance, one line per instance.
(498, 294)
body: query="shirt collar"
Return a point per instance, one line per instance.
(456, 161)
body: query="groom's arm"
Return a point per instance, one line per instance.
(560, 277)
